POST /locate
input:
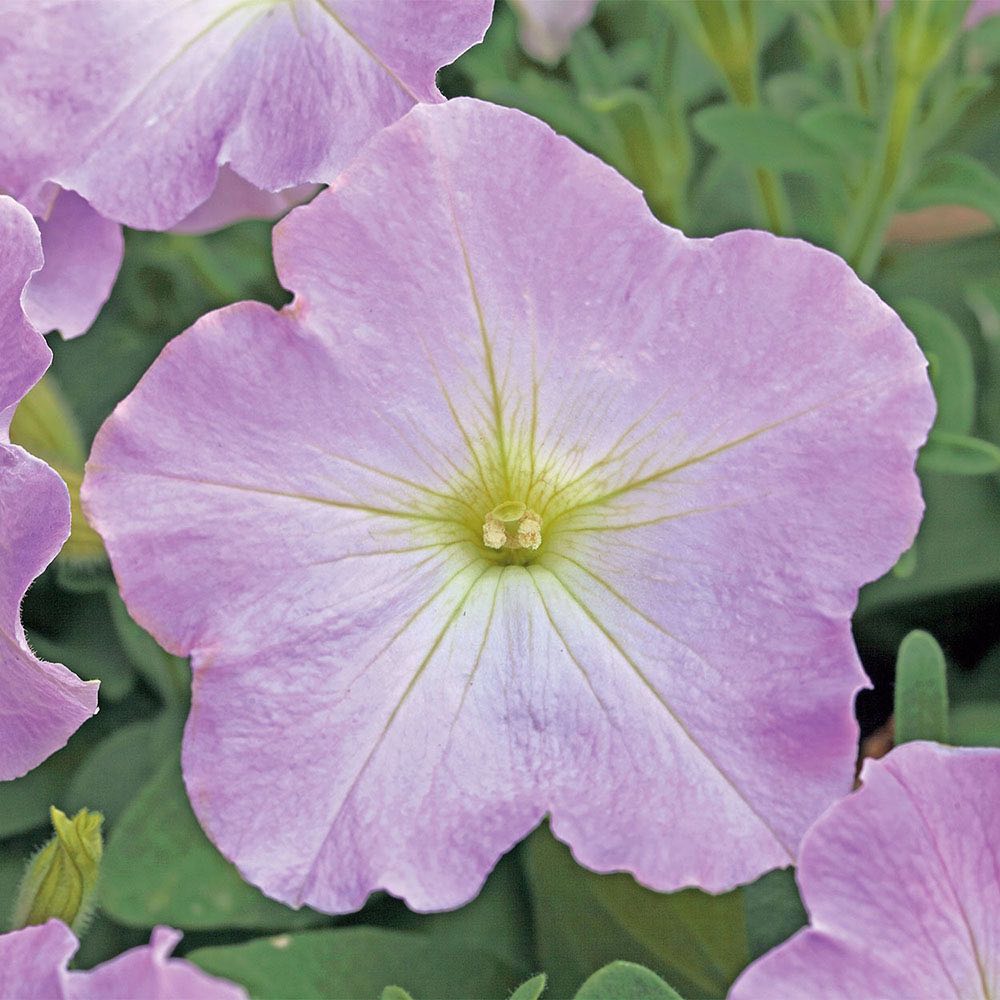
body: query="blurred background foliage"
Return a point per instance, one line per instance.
(874, 135)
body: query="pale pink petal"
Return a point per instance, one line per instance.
(149, 973)
(136, 105)
(548, 26)
(719, 437)
(41, 704)
(901, 881)
(83, 252)
(235, 199)
(33, 961)
(33, 966)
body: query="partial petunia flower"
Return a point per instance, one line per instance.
(83, 253)
(33, 966)
(901, 881)
(135, 106)
(41, 704)
(527, 505)
(547, 26)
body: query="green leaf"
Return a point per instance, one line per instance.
(358, 962)
(975, 725)
(168, 675)
(499, 918)
(950, 360)
(956, 179)
(84, 639)
(116, 770)
(531, 990)
(759, 137)
(25, 802)
(840, 129)
(774, 911)
(584, 920)
(958, 542)
(590, 68)
(921, 698)
(626, 981)
(959, 455)
(159, 867)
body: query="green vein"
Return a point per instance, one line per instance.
(264, 491)
(421, 668)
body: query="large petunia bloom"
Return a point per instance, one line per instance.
(41, 704)
(528, 504)
(136, 105)
(33, 966)
(901, 881)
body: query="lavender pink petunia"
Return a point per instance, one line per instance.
(41, 704)
(901, 881)
(33, 966)
(136, 105)
(527, 505)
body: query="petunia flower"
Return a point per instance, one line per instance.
(527, 505)
(41, 704)
(33, 966)
(547, 26)
(901, 881)
(136, 105)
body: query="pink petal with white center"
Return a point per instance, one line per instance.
(918, 918)
(41, 704)
(33, 966)
(235, 199)
(83, 252)
(136, 105)
(548, 26)
(717, 437)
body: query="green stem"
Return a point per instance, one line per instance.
(866, 232)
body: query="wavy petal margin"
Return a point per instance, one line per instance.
(718, 437)
(33, 966)
(919, 917)
(41, 704)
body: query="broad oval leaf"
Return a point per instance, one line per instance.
(626, 981)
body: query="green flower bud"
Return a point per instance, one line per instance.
(61, 879)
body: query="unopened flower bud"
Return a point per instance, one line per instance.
(61, 879)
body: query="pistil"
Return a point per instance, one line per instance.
(511, 525)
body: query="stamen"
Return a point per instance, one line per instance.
(511, 525)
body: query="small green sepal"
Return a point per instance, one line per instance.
(60, 881)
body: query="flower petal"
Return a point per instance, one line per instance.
(33, 961)
(919, 917)
(83, 252)
(41, 704)
(717, 438)
(149, 972)
(235, 199)
(164, 91)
